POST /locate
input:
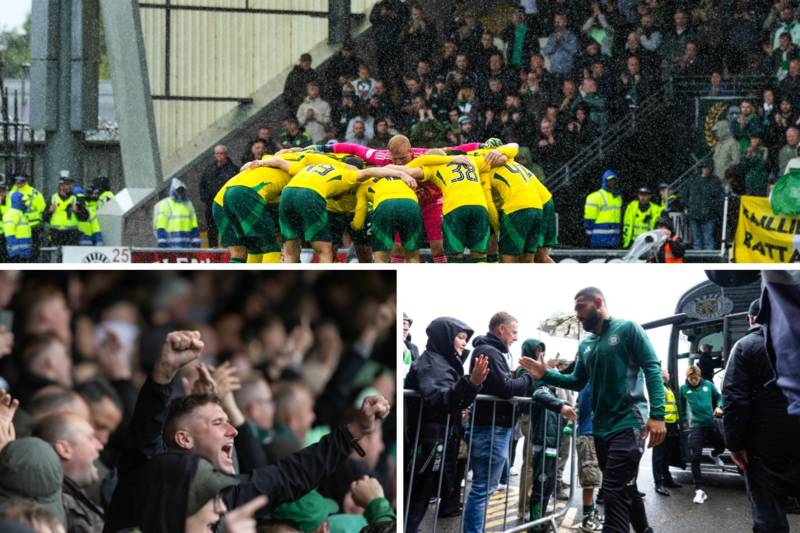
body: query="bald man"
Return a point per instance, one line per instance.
(74, 441)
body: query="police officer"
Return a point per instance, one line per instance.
(3, 209)
(89, 228)
(35, 206)
(63, 214)
(640, 217)
(17, 230)
(603, 212)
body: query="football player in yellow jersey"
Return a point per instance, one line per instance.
(520, 198)
(241, 209)
(341, 210)
(303, 214)
(468, 210)
(395, 210)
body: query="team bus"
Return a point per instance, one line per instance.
(706, 314)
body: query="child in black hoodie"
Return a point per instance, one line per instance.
(433, 422)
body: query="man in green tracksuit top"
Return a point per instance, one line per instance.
(699, 404)
(617, 359)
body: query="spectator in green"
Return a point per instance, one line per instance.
(754, 165)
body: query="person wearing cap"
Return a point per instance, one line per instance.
(30, 470)
(91, 235)
(63, 214)
(17, 230)
(73, 440)
(35, 206)
(433, 428)
(704, 201)
(640, 216)
(184, 493)
(760, 433)
(175, 220)
(602, 213)
(411, 352)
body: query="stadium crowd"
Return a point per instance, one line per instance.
(161, 402)
(552, 77)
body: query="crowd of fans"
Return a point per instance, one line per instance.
(555, 75)
(212, 390)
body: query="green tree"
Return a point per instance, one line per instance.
(17, 49)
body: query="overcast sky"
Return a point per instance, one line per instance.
(472, 294)
(13, 13)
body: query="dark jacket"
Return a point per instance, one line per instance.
(500, 382)
(286, 480)
(704, 197)
(213, 179)
(411, 347)
(546, 421)
(438, 375)
(83, 515)
(755, 414)
(294, 90)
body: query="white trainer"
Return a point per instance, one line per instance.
(700, 496)
(718, 460)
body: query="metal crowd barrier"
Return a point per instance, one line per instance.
(523, 507)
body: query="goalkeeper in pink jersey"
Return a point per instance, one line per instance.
(400, 152)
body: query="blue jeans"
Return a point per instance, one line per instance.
(769, 508)
(702, 234)
(484, 480)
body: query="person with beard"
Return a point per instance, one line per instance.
(618, 360)
(432, 436)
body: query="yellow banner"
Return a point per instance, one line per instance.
(764, 237)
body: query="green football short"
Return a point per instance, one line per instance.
(303, 215)
(400, 216)
(520, 232)
(243, 220)
(549, 230)
(340, 224)
(466, 227)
